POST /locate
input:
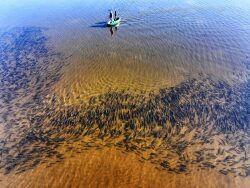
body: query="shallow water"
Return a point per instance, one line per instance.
(165, 95)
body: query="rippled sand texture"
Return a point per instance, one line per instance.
(165, 104)
(199, 125)
(103, 168)
(175, 129)
(28, 69)
(183, 42)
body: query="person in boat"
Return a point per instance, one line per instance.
(115, 16)
(111, 15)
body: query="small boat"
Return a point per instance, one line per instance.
(115, 22)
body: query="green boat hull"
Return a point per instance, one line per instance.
(114, 23)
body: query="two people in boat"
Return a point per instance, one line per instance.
(113, 17)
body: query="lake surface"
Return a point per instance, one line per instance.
(162, 100)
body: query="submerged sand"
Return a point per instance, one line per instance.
(113, 168)
(120, 122)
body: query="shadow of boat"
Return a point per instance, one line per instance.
(99, 25)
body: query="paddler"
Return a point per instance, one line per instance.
(115, 16)
(111, 15)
